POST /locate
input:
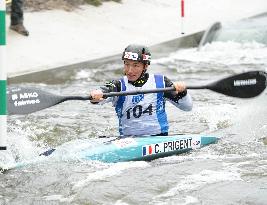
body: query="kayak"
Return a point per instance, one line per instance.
(118, 149)
(145, 148)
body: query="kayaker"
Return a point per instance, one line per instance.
(142, 114)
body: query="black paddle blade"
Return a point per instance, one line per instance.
(245, 85)
(28, 100)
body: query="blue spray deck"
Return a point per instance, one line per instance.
(146, 148)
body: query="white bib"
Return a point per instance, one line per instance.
(142, 114)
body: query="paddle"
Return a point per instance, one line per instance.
(29, 100)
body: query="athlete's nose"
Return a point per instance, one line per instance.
(130, 68)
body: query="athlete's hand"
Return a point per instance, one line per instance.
(97, 96)
(179, 87)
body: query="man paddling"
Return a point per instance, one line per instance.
(142, 114)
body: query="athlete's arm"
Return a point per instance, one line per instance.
(97, 95)
(180, 98)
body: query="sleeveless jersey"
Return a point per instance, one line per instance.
(142, 114)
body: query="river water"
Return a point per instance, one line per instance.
(233, 171)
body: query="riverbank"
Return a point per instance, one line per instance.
(58, 37)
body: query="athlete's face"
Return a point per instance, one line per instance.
(133, 69)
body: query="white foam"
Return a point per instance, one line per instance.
(195, 181)
(6, 160)
(183, 200)
(226, 53)
(120, 202)
(190, 200)
(20, 145)
(113, 170)
(217, 117)
(83, 74)
(57, 198)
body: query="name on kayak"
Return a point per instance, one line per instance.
(169, 146)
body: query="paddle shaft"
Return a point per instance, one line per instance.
(132, 92)
(136, 92)
(157, 90)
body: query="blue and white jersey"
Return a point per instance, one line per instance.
(142, 114)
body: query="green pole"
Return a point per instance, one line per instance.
(3, 76)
